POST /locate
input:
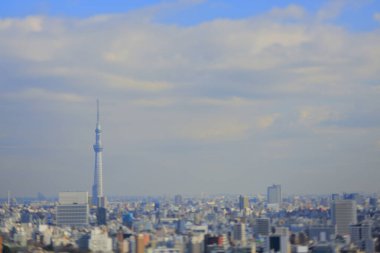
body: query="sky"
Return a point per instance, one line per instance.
(197, 97)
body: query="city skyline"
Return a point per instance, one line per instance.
(232, 100)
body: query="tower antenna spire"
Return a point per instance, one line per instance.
(97, 111)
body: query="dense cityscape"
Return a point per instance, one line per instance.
(212, 224)
(77, 222)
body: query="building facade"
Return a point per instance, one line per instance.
(243, 202)
(274, 195)
(343, 214)
(262, 226)
(73, 209)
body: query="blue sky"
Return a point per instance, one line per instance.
(196, 96)
(356, 15)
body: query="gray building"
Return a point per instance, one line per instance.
(243, 202)
(274, 195)
(262, 226)
(73, 209)
(361, 236)
(239, 233)
(343, 213)
(323, 248)
(321, 233)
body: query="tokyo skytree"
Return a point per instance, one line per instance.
(97, 188)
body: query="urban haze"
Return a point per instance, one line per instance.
(197, 97)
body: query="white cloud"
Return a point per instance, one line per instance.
(335, 131)
(167, 87)
(42, 94)
(376, 16)
(108, 80)
(267, 121)
(331, 10)
(28, 24)
(292, 11)
(159, 102)
(312, 116)
(233, 101)
(119, 53)
(215, 130)
(124, 82)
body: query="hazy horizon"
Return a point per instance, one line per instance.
(195, 96)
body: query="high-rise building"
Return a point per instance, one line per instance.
(180, 226)
(274, 195)
(373, 202)
(140, 244)
(73, 209)
(279, 241)
(101, 216)
(178, 199)
(262, 227)
(132, 244)
(361, 236)
(121, 244)
(243, 202)
(343, 213)
(239, 233)
(195, 244)
(98, 198)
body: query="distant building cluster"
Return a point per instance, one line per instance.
(218, 224)
(77, 222)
